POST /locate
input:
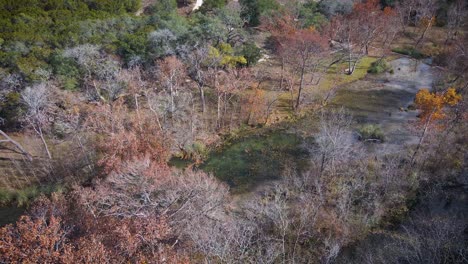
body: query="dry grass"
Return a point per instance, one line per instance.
(313, 92)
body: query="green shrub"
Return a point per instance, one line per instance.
(10, 109)
(68, 83)
(252, 10)
(6, 196)
(309, 15)
(379, 66)
(251, 53)
(64, 66)
(197, 151)
(23, 197)
(410, 51)
(199, 147)
(210, 5)
(370, 133)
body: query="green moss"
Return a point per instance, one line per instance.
(410, 51)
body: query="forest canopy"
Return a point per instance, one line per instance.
(224, 131)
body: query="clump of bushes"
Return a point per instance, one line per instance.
(379, 66)
(195, 152)
(371, 133)
(410, 51)
(251, 53)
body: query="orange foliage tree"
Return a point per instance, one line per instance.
(62, 230)
(432, 107)
(254, 106)
(34, 241)
(125, 137)
(302, 49)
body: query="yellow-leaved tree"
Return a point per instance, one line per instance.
(432, 107)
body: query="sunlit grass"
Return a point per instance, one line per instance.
(334, 77)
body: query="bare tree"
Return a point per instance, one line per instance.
(37, 101)
(344, 38)
(304, 50)
(334, 139)
(196, 60)
(172, 74)
(425, 15)
(456, 19)
(101, 72)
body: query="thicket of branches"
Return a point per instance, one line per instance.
(111, 96)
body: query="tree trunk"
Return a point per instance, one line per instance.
(172, 99)
(429, 25)
(39, 130)
(225, 103)
(202, 97)
(282, 74)
(349, 63)
(354, 66)
(301, 84)
(418, 147)
(218, 117)
(17, 145)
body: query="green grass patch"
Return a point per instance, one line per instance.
(410, 51)
(22, 197)
(379, 66)
(335, 76)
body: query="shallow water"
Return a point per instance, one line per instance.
(250, 161)
(10, 214)
(384, 100)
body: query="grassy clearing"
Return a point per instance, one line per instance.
(335, 76)
(248, 160)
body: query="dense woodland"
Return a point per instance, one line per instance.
(250, 131)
